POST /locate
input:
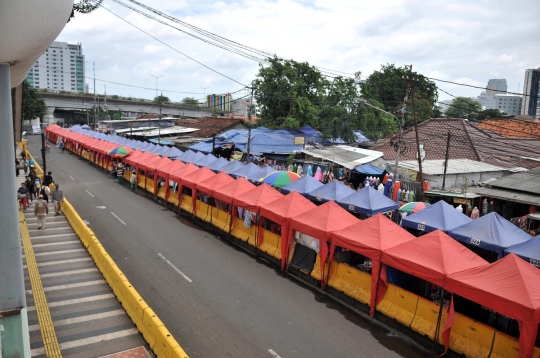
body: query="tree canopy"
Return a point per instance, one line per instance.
(162, 99)
(190, 101)
(33, 105)
(462, 107)
(291, 94)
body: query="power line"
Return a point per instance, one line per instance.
(172, 48)
(483, 88)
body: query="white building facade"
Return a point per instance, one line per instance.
(509, 103)
(61, 67)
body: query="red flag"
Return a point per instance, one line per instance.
(448, 326)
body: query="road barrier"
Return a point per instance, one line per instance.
(399, 304)
(149, 325)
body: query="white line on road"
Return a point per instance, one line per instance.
(89, 193)
(116, 216)
(274, 354)
(71, 177)
(174, 267)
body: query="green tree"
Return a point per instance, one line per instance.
(162, 98)
(190, 101)
(462, 106)
(33, 105)
(489, 113)
(388, 87)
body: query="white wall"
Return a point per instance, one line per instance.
(456, 180)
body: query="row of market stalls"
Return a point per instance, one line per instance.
(357, 258)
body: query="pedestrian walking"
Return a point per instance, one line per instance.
(57, 198)
(41, 209)
(120, 172)
(24, 162)
(31, 162)
(17, 167)
(133, 180)
(31, 186)
(62, 146)
(48, 179)
(22, 195)
(45, 193)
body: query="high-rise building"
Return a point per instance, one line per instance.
(60, 67)
(496, 86)
(220, 102)
(530, 92)
(508, 103)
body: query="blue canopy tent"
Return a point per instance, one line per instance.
(367, 201)
(265, 172)
(491, 232)
(528, 251)
(173, 152)
(188, 156)
(369, 169)
(216, 165)
(209, 158)
(335, 190)
(232, 167)
(147, 147)
(156, 149)
(247, 171)
(440, 215)
(303, 185)
(195, 158)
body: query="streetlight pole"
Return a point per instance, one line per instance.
(400, 123)
(156, 77)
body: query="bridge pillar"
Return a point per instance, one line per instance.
(48, 118)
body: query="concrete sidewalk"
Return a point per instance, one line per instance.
(88, 320)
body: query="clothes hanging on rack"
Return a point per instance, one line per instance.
(318, 174)
(380, 188)
(341, 175)
(475, 213)
(484, 207)
(310, 170)
(300, 170)
(295, 168)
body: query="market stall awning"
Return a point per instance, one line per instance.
(335, 190)
(256, 198)
(344, 155)
(528, 250)
(181, 172)
(209, 158)
(303, 185)
(491, 232)
(367, 201)
(166, 170)
(369, 169)
(232, 167)
(208, 186)
(440, 215)
(228, 192)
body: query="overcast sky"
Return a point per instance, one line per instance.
(466, 41)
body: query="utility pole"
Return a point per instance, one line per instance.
(95, 108)
(205, 99)
(159, 121)
(400, 135)
(43, 150)
(251, 102)
(157, 82)
(446, 160)
(420, 175)
(106, 108)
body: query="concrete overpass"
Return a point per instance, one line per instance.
(129, 108)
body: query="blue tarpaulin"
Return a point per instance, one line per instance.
(248, 171)
(187, 157)
(335, 190)
(195, 158)
(529, 251)
(491, 232)
(367, 201)
(303, 185)
(205, 161)
(438, 216)
(232, 167)
(216, 165)
(173, 152)
(368, 169)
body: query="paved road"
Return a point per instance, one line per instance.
(233, 305)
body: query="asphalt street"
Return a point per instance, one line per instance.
(216, 300)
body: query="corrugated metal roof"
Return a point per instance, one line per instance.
(524, 198)
(528, 182)
(344, 155)
(455, 166)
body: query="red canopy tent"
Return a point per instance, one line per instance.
(164, 162)
(281, 211)
(181, 172)
(141, 160)
(378, 233)
(209, 185)
(150, 164)
(227, 192)
(191, 181)
(319, 223)
(508, 286)
(432, 257)
(130, 159)
(165, 170)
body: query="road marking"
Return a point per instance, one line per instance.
(59, 252)
(91, 317)
(89, 340)
(75, 301)
(174, 267)
(71, 177)
(89, 193)
(116, 216)
(65, 273)
(274, 354)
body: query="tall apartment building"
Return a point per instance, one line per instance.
(530, 92)
(496, 86)
(60, 67)
(220, 102)
(509, 103)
